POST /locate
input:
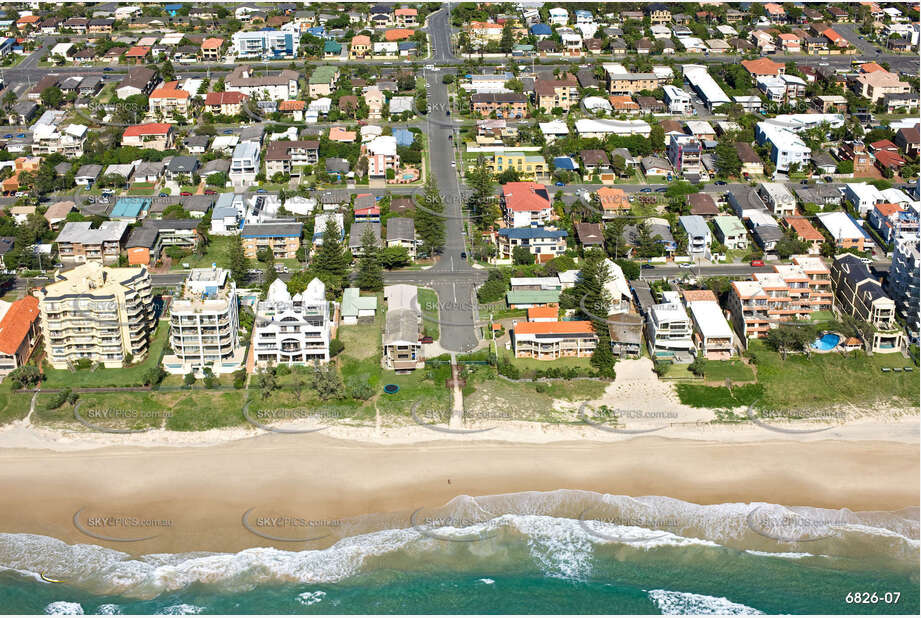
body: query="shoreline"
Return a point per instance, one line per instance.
(204, 491)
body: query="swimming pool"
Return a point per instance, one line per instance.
(827, 342)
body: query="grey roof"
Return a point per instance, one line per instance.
(765, 234)
(401, 228)
(359, 228)
(25, 108)
(143, 236)
(149, 168)
(272, 229)
(215, 165)
(80, 232)
(333, 196)
(201, 141)
(182, 165)
(626, 327)
(335, 164)
(363, 201)
(401, 326)
(197, 203)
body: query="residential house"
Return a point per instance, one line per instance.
(526, 204)
(859, 294)
(20, 333)
(553, 340)
(401, 232)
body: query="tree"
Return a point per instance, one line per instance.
(331, 260)
(522, 256)
(595, 301)
(789, 337)
(239, 264)
(25, 376)
(52, 97)
(698, 366)
(326, 381)
(430, 222)
(370, 272)
(630, 268)
(507, 42)
(394, 257)
(728, 159)
(266, 381)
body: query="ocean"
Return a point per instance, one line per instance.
(553, 552)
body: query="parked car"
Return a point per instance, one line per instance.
(757, 262)
(646, 190)
(185, 194)
(647, 265)
(661, 189)
(210, 192)
(463, 255)
(560, 183)
(720, 183)
(426, 339)
(164, 195)
(685, 265)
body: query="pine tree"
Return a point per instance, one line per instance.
(430, 224)
(239, 264)
(331, 262)
(370, 272)
(596, 302)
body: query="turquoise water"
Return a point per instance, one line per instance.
(826, 342)
(687, 558)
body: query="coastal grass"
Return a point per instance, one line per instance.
(501, 400)
(716, 397)
(102, 377)
(428, 301)
(363, 340)
(829, 379)
(734, 370)
(216, 252)
(13, 406)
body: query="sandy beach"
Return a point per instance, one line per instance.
(195, 498)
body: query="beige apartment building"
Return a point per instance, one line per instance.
(98, 313)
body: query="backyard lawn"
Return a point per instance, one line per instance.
(129, 376)
(428, 301)
(217, 252)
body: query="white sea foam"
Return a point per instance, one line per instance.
(182, 609)
(486, 580)
(109, 609)
(64, 608)
(673, 603)
(311, 598)
(792, 555)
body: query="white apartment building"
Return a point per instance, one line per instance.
(69, 141)
(98, 313)
(244, 164)
(205, 325)
(265, 44)
(677, 100)
(778, 198)
(712, 331)
(293, 330)
(668, 330)
(382, 155)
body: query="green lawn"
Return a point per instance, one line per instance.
(428, 300)
(363, 340)
(128, 376)
(734, 370)
(217, 251)
(13, 406)
(807, 383)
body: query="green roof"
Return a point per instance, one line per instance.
(323, 74)
(352, 302)
(729, 225)
(332, 47)
(532, 297)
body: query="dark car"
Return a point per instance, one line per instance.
(463, 255)
(646, 190)
(720, 183)
(107, 69)
(804, 182)
(560, 183)
(164, 195)
(8, 136)
(227, 131)
(647, 266)
(661, 189)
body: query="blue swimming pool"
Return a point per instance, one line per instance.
(826, 342)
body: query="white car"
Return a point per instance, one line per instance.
(685, 265)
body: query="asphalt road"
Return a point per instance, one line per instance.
(439, 29)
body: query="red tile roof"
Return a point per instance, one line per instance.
(169, 90)
(398, 34)
(525, 196)
(543, 312)
(887, 210)
(151, 128)
(762, 66)
(575, 327)
(16, 323)
(222, 98)
(212, 43)
(292, 106)
(138, 51)
(889, 159)
(804, 229)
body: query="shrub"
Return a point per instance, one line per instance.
(335, 347)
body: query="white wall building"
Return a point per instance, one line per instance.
(292, 330)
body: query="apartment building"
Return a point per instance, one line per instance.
(19, 333)
(168, 100)
(205, 325)
(69, 141)
(382, 155)
(684, 154)
(678, 101)
(282, 238)
(698, 232)
(877, 84)
(669, 333)
(94, 312)
(280, 87)
(532, 166)
(778, 198)
(620, 81)
(526, 204)
(787, 148)
(544, 243)
(244, 163)
(502, 104)
(859, 294)
(553, 340)
(551, 93)
(711, 332)
(402, 350)
(154, 135)
(903, 280)
(225, 103)
(282, 156)
(293, 330)
(791, 292)
(78, 242)
(265, 44)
